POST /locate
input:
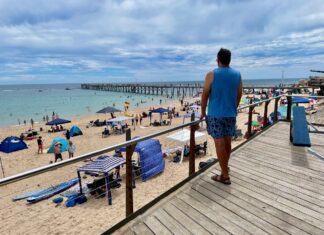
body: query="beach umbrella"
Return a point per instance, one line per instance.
(57, 121)
(108, 109)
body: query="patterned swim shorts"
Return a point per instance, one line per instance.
(220, 127)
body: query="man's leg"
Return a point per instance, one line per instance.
(222, 155)
(228, 147)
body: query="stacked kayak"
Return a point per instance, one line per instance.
(46, 193)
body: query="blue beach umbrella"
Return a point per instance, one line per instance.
(57, 121)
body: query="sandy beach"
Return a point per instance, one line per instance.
(95, 215)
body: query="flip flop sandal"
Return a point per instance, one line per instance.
(221, 179)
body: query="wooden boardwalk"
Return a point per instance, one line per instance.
(276, 188)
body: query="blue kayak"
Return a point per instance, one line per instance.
(46, 193)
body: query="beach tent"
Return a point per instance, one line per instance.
(299, 100)
(183, 136)
(12, 144)
(75, 131)
(150, 158)
(64, 142)
(57, 121)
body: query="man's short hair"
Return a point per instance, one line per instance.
(224, 56)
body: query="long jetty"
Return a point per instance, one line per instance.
(173, 90)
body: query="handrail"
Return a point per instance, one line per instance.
(315, 96)
(39, 170)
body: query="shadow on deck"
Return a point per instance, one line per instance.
(276, 188)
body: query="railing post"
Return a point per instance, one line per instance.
(289, 99)
(275, 118)
(129, 176)
(265, 114)
(249, 131)
(192, 147)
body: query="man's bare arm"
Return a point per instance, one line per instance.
(239, 93)
(205, 95)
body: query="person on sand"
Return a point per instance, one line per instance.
(32, 123)
(57, 151)
(223, 92)
(71, 149)
(67, 134)
(40, 145)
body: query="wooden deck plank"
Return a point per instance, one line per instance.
(255, 199)
(285, 182)
(156, 226)
(199, 217)
(183, 219)
(273, 186)
(214, 216)
(280, 175)
(293, 211)
(276, 188)
(280, 163)
(172, 224)
(218, 208)
(240, 211)
(140, 228)
(250, 205)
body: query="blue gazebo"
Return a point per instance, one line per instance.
(161, 111)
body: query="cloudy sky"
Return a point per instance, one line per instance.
(72, 41)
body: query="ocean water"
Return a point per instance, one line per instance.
(23, 102)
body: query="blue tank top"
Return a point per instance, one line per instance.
(223, 93)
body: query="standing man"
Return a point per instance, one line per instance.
(222, 91)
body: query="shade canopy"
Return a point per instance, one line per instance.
(57, 121)
(120, 119)
(299, 100)
(184, 135)
(103, 164)
(108, 109)
(12, 144)
(160, 110)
